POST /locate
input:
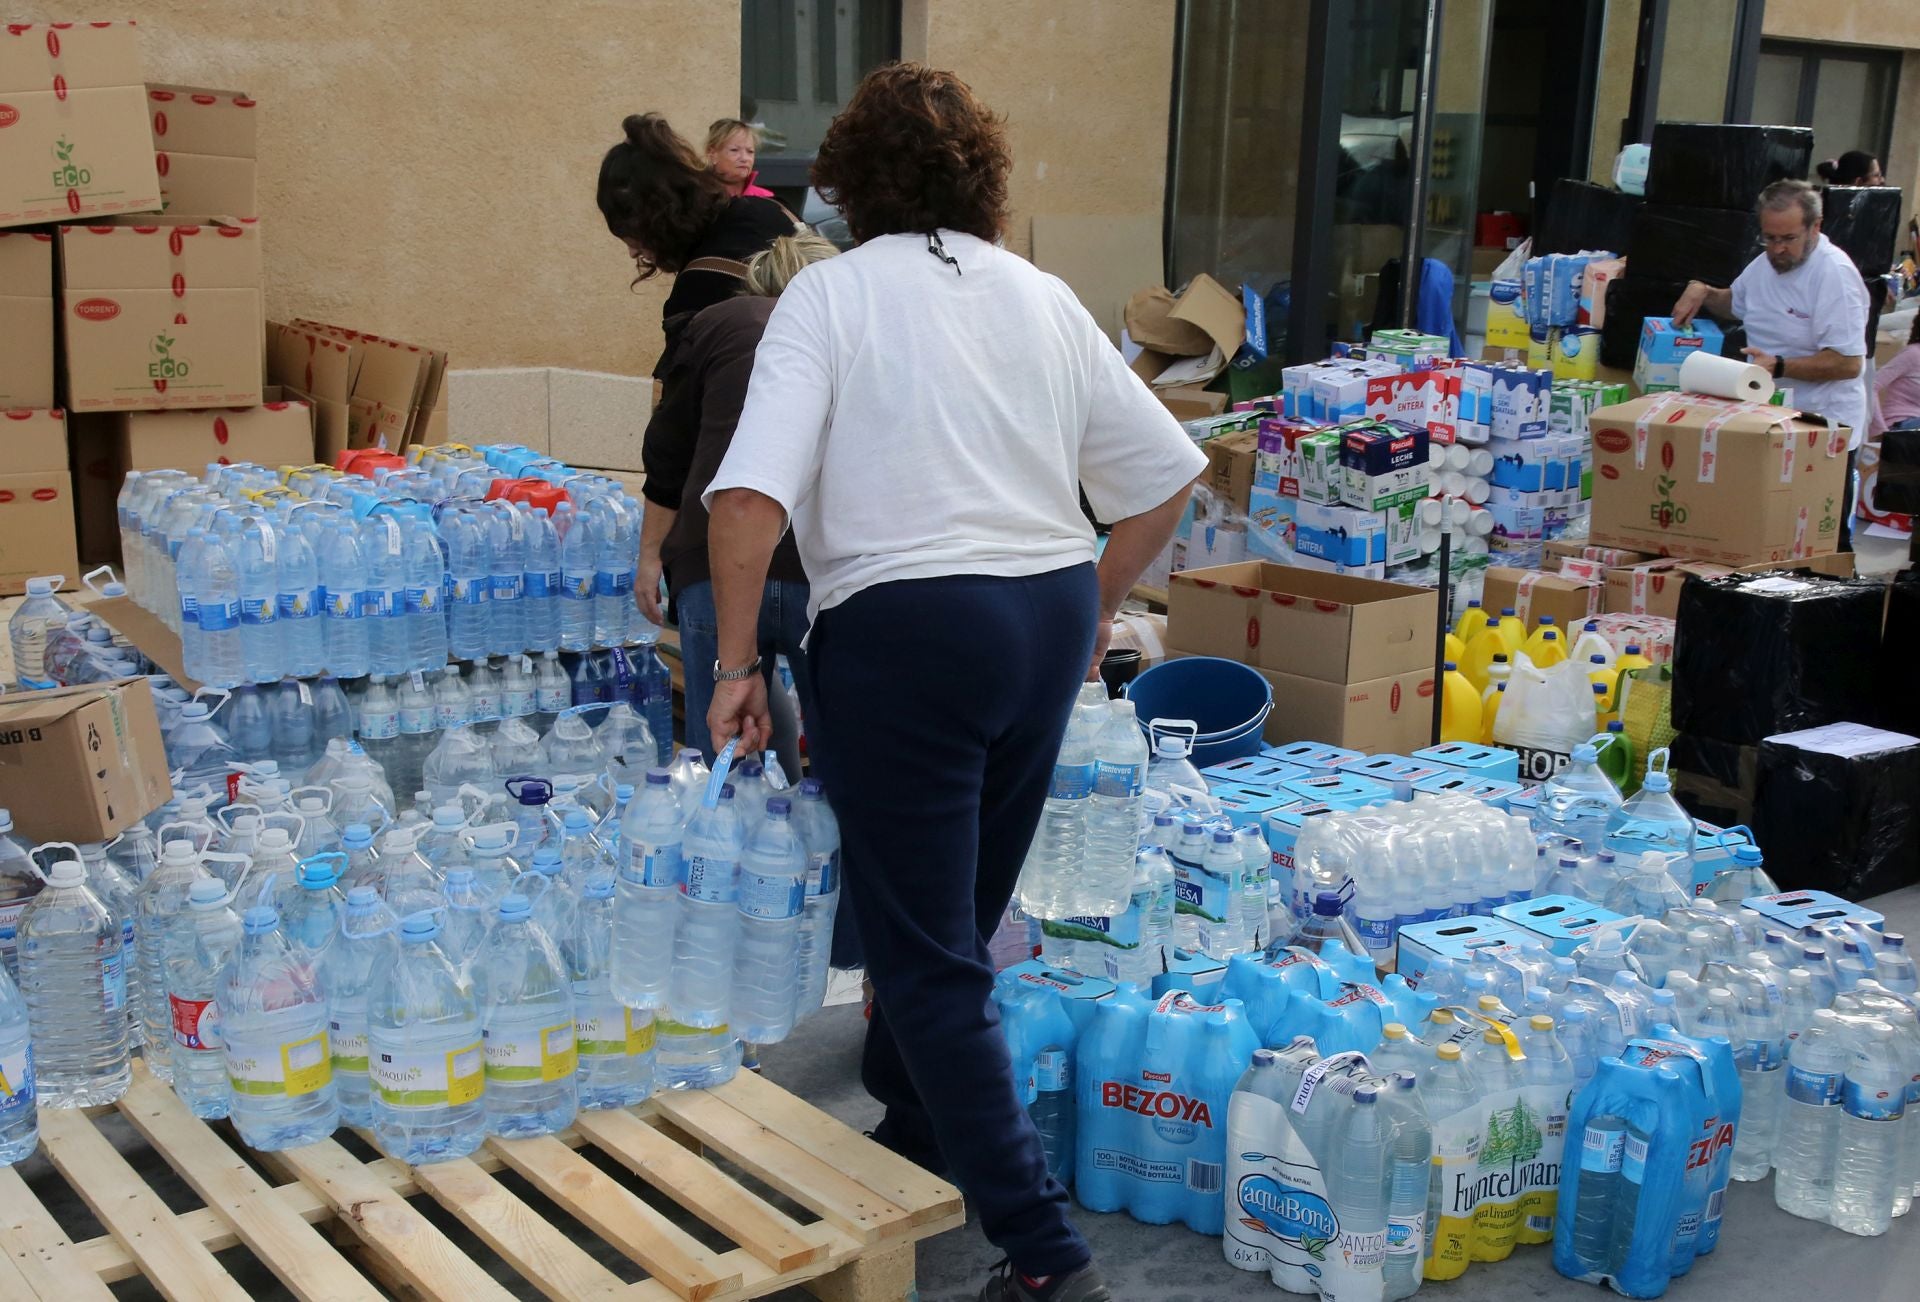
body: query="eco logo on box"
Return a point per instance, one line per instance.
(165, 365)
(69, 173)
(1666, 512)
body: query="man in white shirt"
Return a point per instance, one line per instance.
(1805, 310)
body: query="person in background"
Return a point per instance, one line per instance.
(1805, 310)
(731, 147)
(688, 436)
(674, 215)
(922, 413)
(1855, 167)
(1896, 388)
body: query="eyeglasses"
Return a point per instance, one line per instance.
(1779, 241)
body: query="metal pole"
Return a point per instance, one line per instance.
(1413, 257)
(1445, 555)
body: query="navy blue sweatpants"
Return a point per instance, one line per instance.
(940, 707)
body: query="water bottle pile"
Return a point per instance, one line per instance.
(470, 552)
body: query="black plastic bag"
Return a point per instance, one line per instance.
(1723, 165)
(1630, 301)
(1864, 221)
(1844, 823)
(1580, 216)
(1710, 244)
(1898, 685)
(1759, 654)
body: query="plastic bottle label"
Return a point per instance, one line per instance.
(196, 1024)
(612, 583)
(775, 896)
(1052, 1071)
(16, 1077)
(258, 611)
(1870, 1104)
(1120, 781)
(711, 879)
(276, 1069)
(823, 873)
(349, 1047)
(1819, 1088)
(342, 604)
(428, 1080)
(468, 592)
(1633, 1159)
(378, 727)
(423, 601)
(113, 981)
(657, 865)
(1601, 1150)
(541, 583)
(1121, 931)
(218, 616)
(374, 603)
(516, 702)
(553, 699)
(300, 605)
(1197, 891)
(577, 587)
(507, 587)
(1071, 782)
(189, 610)
(547, 1054)
(610, 1032)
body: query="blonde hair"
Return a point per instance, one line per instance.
(773, 269)
(722, 131)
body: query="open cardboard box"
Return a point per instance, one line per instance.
(82, 764)
(1199, 332)
(73, 123)
(1287, 620)
(367, 391)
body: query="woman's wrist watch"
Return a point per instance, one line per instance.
(735, 675)
(1779, 367)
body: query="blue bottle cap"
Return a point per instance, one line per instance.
(812, 788)
(575, 820)
(364, 897)
(779, 807)
(424, 925)
(1327, 904)
(659, 778)
(600, 888)
(261, 918)
(546, 860)
(514, 907)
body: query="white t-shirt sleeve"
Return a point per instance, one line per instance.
(1840, 310)
(1133, 454)
(1741, 285)
(778, 443)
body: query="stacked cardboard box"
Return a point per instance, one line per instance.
(26, 319)
(366, 391)
(36, 499)
(204, 150)
(73, 123)
(1350, 660)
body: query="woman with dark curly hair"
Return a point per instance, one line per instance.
(925, 410)
(674, 214)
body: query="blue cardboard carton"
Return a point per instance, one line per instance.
(1471, 757)
(1562, 923)
(1314, 756)
(1455, 939)
(1664, 346)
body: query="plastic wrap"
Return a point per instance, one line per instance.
(1723, 165)
(1630, 301)
(1681, 244)
(1864, 221)
(1898, 485)
(1715, 780)
(1842, 822)
(1580, 215)
(1759, 654)
(1898, 686)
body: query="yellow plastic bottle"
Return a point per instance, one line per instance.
(1471, 621)
(1488, 712)
(1545, 649)
(1487, 644)
(1459, 707)
(1456, 649)
(1537, 640)
(1513, 629)
(1604, 675)
(1633, 659)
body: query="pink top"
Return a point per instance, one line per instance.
(1896, 388)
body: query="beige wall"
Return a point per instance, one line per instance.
(427, 169)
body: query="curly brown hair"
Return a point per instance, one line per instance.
(655, 191)
(913, 152)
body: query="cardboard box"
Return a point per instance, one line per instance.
(200, 120)
(83, 763)
(32, 440)
(1230, 465)
(73, 123)
(277, 432)
(36, 528)
(160, 316)
(366, 391)
(1531, 594)
(1293, 621)
(1663, 346)
(202, 185)
(1185, 342)
(1713, 480)
(1653, 587)
(26, 319)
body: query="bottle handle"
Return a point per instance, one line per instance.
(323, 790)
(86, 580)
(718, 778)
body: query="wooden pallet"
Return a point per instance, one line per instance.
(839, 1215)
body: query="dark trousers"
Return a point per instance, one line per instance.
(940, 707)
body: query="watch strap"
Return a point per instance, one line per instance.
(723, 675)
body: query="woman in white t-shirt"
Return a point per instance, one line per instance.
(924, 411)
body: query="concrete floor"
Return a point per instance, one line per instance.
(1763, 1251)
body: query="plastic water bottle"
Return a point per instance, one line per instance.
(368, 941)
(578, 555)
(1603, 1145)
(117, 891)
(772, 894)
(483, 684)
(452, 702)
(470, 583)
(646, 902)
(72, 968)
(700, 983)
(343, 580)
(298, 606)
(617, 549)
(426, 569)
(506, 552)
(197, 950)
(1761, 1054)
(1652, 819)
(256, 556)
(1359, 1174)
(526, 1023)
(517, 700)
(290, 720)
(1326, 925)
(20, 881)
(820, 833)
(1049, 881)
(273, 1020)
(161, 901)
(211, 572)
(1578, 801)
(1113, 813)
(614, 1042)
(1866, 1165)
(1410, 1168)
(1810, 1118)
(384, 548)
(424, 1053)
(541, 583)
(27, 630)
(553, 693)
(19, 1118)
(310, 919)
(653, 692)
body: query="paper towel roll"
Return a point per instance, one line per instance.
(1478, 491)
(1723, 377)
(1457, 457)
(1432, 511)
(1479, 463)
(1480, 523)
(1458, 510)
